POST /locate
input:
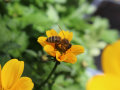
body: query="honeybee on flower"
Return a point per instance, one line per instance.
(58, 45)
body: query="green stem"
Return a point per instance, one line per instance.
(49, 76)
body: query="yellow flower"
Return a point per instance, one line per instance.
(110, 80)
(68, 56)
(10, 76)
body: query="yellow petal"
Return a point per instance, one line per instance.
(104, 82)
(66, 34)
(51, 32)
(68, 57)
(24, 83)
(0, 78)
(76, 49)
(111, 59)
(58, 56)
(50, 50)
(11, 72)
(42, 40)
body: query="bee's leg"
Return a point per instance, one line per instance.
(56, 45)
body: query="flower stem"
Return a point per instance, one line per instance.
(49, 76)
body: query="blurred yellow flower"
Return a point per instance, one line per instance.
(10, 76)
(110, 80)
(68, 56)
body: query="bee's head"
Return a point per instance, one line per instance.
(69, 46)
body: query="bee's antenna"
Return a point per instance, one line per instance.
(61, 29)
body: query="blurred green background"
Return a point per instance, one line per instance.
(23, 21)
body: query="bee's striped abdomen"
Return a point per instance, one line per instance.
(53, 39)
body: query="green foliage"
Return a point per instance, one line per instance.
(23, 21)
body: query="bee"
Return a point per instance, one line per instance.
(61, 45)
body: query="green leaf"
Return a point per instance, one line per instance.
(52, 13)
(109, 36)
